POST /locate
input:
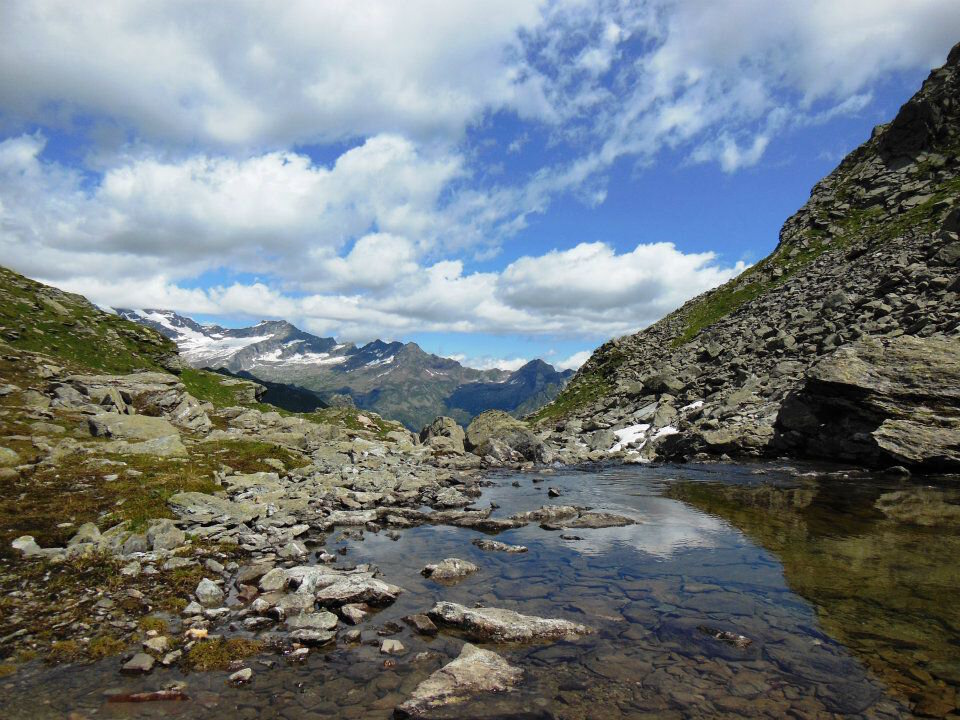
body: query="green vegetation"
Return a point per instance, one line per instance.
(36, 318)
(210, 387)
(208, 655)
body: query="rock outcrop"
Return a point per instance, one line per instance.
(497, 435)
(873, 254)
(887, 401)
(474, 671)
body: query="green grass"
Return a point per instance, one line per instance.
(595, 380)
(207, 655)
(210, 387)
(71, 330)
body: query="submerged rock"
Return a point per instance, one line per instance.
(449, 569)
(474, 671)
(498, 546)
(590, 520)
(499, 625)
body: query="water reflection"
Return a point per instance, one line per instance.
(878, 561)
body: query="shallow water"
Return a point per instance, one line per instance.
(847, 588)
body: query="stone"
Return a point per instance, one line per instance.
(208, 593)
(130, 427)
(158, 645)
(421, 623)
(165, 535)
(323, 620)
(358, 589)
(86, 533)
(200, 507)
(495, 545)
(447, 428)
(588, 520)
(354, 613)
(449, 569)
(880, 401)
(241, 677)
(140, 664)
(313, 638)
(8, 458)
(498, 426)
(389, 646)
(500, 625)
(474, 671)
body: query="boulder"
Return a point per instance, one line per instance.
(130, 427)
(444, 427)
(474, 671)
(209, 593)
(882, 402)
(497, 546)
(202, 508)
(450, 569)
(499, 625)
(499, 427)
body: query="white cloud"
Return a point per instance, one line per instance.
(574, 361)
(264, 75)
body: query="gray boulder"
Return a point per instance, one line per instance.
(499, 625)
(496, 426)
(880, 401)
(446, 428)
(474, 671)
(449, 569)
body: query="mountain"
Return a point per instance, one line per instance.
(397, 380)
(526, 389)
(843, 343)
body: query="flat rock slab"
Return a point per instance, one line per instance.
(590, 520)
(200, 507)
(474, 671)
(497, 546)
(448, 570)
(500, 625)
(130, 427)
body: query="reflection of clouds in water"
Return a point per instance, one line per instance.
(665, 527)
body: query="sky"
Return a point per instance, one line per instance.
(496, 180)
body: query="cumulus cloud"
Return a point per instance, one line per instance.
(196, 141)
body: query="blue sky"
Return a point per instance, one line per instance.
(495, 180)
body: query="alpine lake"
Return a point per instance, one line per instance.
(844, 585)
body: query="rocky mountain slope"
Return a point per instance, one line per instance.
(865, 278)
(396, 380)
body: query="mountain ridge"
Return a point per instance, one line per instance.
(397, 380)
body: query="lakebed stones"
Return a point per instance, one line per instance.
(500, 625)
(449, 570)
(474, 671)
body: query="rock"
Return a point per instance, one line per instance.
(421, 623)
(202, 508)
(313, 638)
(474, 671)
(209, 593)
(451, 497)
(313, 621)
(499, 625)
(449, 569)
(498, 426)
(158, 645)
(390, 646)
(165, 535)
(590, 520)
(241, 677)
(553, 492)
(86, 533)
(26, 545)
(354, 613)
(447, 428)
(495, 545)
(880, 401)
(8, 458)
(130, 427)
(358, 589)
(140, 664)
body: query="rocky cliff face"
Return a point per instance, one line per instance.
(873, 254)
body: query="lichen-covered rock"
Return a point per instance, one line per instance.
(474, 671)
(496, 426)
(500, 625)
(447, 431)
